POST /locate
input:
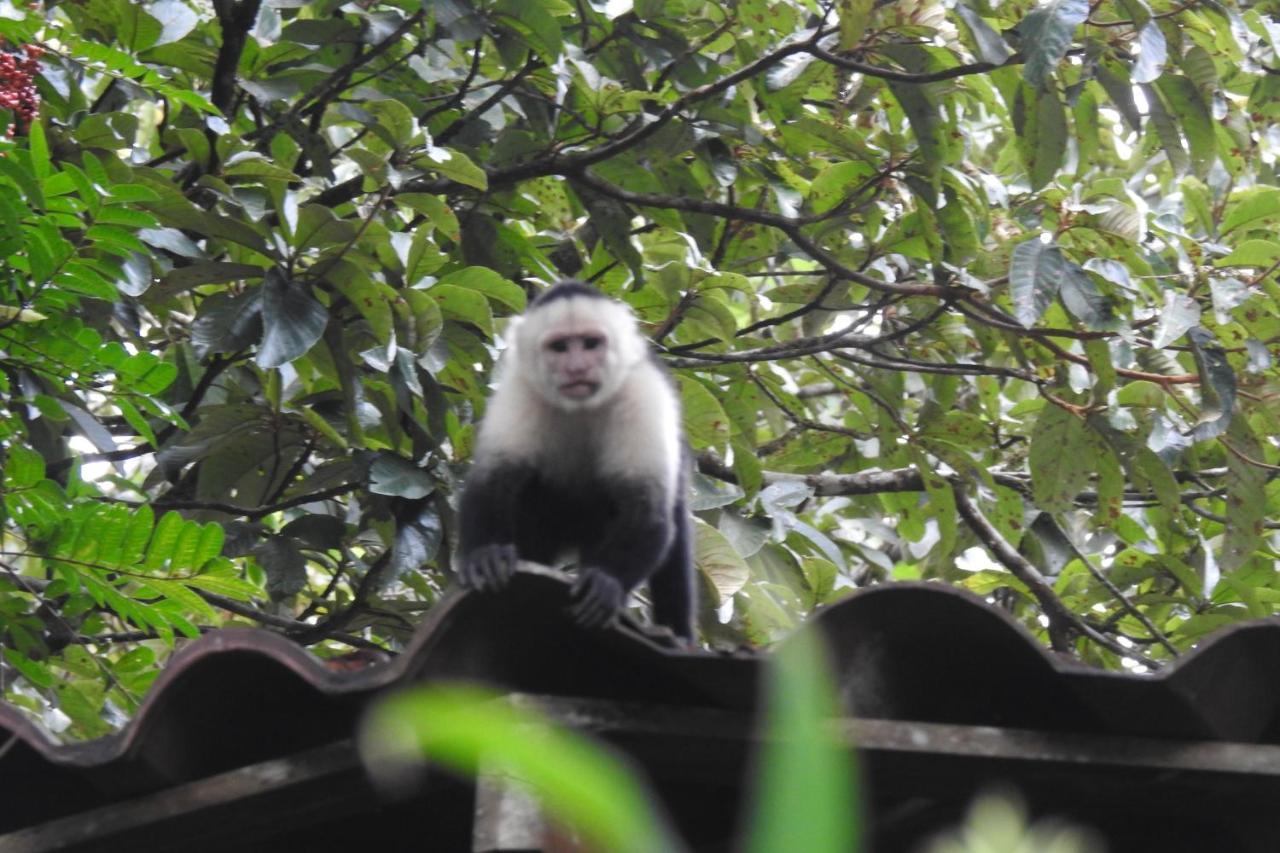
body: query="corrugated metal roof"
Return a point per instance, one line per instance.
(924, 653)
(935, 653)
(243, 695)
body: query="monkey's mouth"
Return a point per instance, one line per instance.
(579, 390)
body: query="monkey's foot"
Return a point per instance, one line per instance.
(597, 598)
(488, 568)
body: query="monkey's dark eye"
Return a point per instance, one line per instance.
(590, 342)
(558, 345)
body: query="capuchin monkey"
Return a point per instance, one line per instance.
(581, 448)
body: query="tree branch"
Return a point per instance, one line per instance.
(253, 512)
(1129, 607)
(826, 484)
(893, 74)
(303, 632)
(235, 19)
(1062, 622)
(329, 87)
(505, 89)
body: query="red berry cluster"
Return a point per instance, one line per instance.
(17, 87)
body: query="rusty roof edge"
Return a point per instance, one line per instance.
(276, 647)
(291, 657)
(842, 608)
(304, 665)
(1060, 663)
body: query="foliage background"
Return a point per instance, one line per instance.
(975, 292)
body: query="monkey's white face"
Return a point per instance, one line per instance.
(575, 362)
(578, 352)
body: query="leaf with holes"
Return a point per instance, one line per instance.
(1060, 461)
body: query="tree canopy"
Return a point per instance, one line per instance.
(955, 290)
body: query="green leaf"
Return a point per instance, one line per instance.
(1152, 54)
(137, 535)
(854, 17)
(1036, 271)
(580, 785)
(126, 217)
(723, 567)
(398, 477)
(483, 280)
(111, 528)
(922, 105)
(231, 587)
(1040, 121)
(38, 674)
(258, 167)
(23, 467)
(1254, 207)
(182, 278)
(612, 220)
(23, 178)
(1083, 299)
(176, 19)
(806, 791)
(991, 46)
(436, 209)
(1180, 313)
(705, 421)
(292, 321)
(455, 166)
(318, 227)
(536, 24)
(1061, 459)
(836, 183)
(108, 132)
(1110, 483)
(1186, 103)
(1251, 253)
(1046, 32)
(1151, 473)
(1166, 130)
(116, 240)
(196, 545)
(163, 540)
(1217, 385)
(38, 145)
(136, 29)
(131, 194)
(416, 543)
(284, 564)
(371, 298)
(467, 306)
(1246, 501)
(942, 502)
(185, 598)
(397, 120)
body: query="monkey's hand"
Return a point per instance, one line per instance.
(488, 568)
(597, 598)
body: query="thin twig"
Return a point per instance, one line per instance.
(1062, 622)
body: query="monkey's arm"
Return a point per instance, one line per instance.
(628, 552)
(487, 522)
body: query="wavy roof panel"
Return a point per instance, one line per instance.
(923, 653)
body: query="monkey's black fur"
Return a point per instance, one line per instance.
(617, 528)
